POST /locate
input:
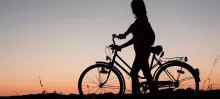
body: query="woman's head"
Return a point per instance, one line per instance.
(138, 8)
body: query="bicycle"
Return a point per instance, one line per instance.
(106, 77)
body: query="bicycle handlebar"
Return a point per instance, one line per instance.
(113, 38)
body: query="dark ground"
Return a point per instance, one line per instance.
(212, 94)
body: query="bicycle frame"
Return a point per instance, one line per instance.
(151, 66)
(113, 61)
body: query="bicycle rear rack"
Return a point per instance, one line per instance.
(182, 59)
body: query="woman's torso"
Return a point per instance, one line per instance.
(143, 34)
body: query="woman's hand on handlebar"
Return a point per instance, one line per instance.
(120, 36)
(115, 47)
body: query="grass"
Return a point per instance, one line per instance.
(202, 94)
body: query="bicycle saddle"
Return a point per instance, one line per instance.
(156, 49)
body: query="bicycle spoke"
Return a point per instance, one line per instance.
(93, 74)
(185, 79)
(111, 87)
(97, 90)
(110, 90)
(90, 89)
(170, 75)
(90, 79)
(99, 75)
(167, 76)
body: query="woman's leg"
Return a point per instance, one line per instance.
(140, 62)
(134, 76)
(147, 72)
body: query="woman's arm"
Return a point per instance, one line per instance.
(127, 43)
(123, 36)
(130, 29)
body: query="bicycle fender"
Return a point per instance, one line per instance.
(107, 64)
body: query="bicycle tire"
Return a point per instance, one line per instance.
(98, 81)
(179, 91)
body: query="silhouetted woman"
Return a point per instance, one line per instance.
(143, 39)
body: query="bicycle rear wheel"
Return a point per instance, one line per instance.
(92, 80)
(180, 77)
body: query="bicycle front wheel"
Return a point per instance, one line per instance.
(180, 77)
(93, 81)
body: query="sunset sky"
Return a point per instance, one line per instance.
(58, 39)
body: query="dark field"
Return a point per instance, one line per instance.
(212, 94)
